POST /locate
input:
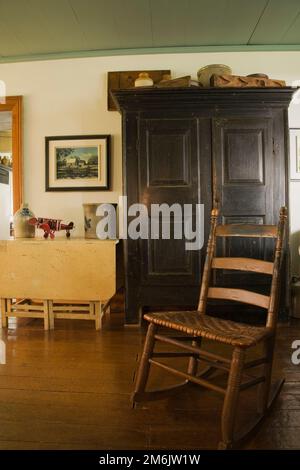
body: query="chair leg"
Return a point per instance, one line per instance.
(231, 398)
(144, 367)
(193, 363)
(264, 388)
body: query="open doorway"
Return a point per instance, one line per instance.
(6, 183)
(11, 186)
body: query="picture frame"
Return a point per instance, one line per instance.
(78, 163)
(295, 154)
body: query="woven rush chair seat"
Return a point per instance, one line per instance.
(204, 326)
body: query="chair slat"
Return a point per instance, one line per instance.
(247, 230)
(239, 295)
(243, 264)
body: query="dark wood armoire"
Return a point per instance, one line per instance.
(196, 145)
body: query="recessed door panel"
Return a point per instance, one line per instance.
(243, 156)
(169, 257)
(168, 158)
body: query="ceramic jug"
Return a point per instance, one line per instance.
(22, 229)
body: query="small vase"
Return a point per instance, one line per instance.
(22, 229)
(143, 80)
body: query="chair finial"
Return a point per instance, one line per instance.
(283, 213)
(215, 212)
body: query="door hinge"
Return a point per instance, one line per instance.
(274, 146)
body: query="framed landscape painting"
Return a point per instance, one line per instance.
(295, 154)
(77, 163)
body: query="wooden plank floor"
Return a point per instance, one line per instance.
(70, 388)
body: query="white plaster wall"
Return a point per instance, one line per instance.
(68, 97)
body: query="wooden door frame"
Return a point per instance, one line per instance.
(14, 104)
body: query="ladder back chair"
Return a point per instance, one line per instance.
(197, 325)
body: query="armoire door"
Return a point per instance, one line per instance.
(243, 168)
(169, 173)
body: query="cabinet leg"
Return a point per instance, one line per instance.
(8, 310)
(3, 313)
(133, 308)
(46, 315)
(98, 315)
(51, 314)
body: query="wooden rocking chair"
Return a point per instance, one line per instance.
(241, 337)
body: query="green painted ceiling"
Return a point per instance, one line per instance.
(37, 29)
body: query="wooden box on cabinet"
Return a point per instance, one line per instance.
(198, 146)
